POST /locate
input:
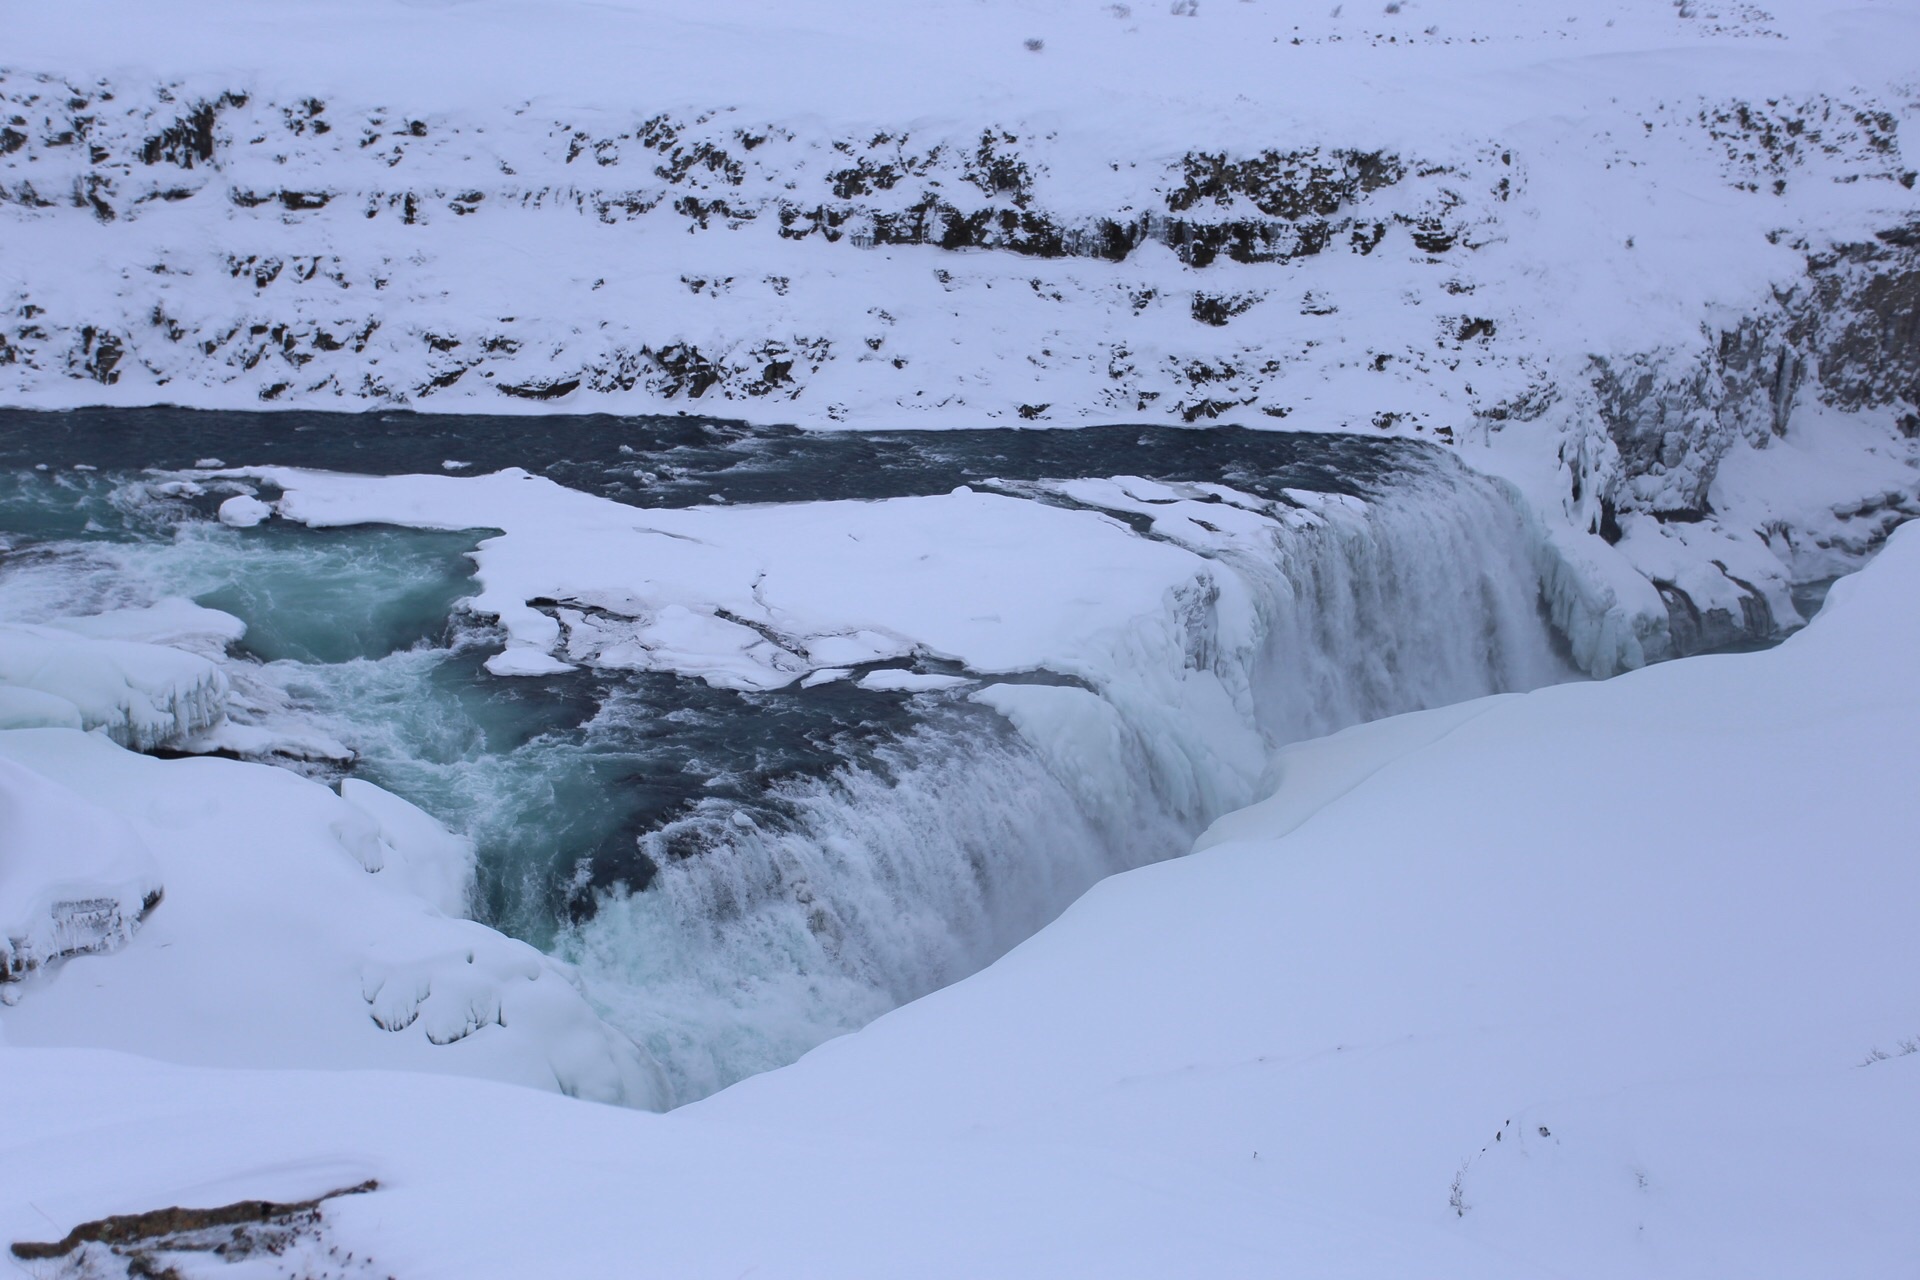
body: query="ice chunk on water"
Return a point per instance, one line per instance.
(525, 660)
(896, 681)
(243, 511)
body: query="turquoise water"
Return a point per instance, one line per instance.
(737, 875)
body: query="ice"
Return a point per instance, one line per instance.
(894, 680)
(142, 695)
(243, 511)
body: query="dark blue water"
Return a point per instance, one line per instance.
(683, 461)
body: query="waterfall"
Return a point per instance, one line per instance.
(771, 927)
(737, 876)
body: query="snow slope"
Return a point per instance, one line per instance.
(1604, 979)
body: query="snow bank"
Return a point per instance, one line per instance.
(1608, 979)
(276, 947)
(408, 844)
(1585, 977)
(74, 878)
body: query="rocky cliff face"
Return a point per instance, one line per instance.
(1603, 305)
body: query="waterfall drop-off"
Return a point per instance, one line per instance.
(767, 734)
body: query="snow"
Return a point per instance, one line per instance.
(1603, 979)
(988, 580)
(275, 946)
(142, 694)
(1588, 245)
(243, 511)
(31, 709)
(433, 863)
(74, 879)
(896, 681)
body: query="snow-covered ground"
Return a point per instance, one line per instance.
(1607, 979)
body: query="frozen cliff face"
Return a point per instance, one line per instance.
(1610, 244)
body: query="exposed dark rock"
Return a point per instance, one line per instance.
(100, 354)
(1209, 409)
(540, 390)
(1430, 235)
(1693, 630)
(136, 1236)
(190, 139)
(1217, 309)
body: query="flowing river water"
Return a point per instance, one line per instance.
(739, 874)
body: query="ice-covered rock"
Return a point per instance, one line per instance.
(142, 695)
(75, 879)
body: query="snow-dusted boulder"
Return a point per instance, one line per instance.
(74, 878)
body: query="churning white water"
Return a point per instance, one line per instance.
(740, 875)
(890, 878)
